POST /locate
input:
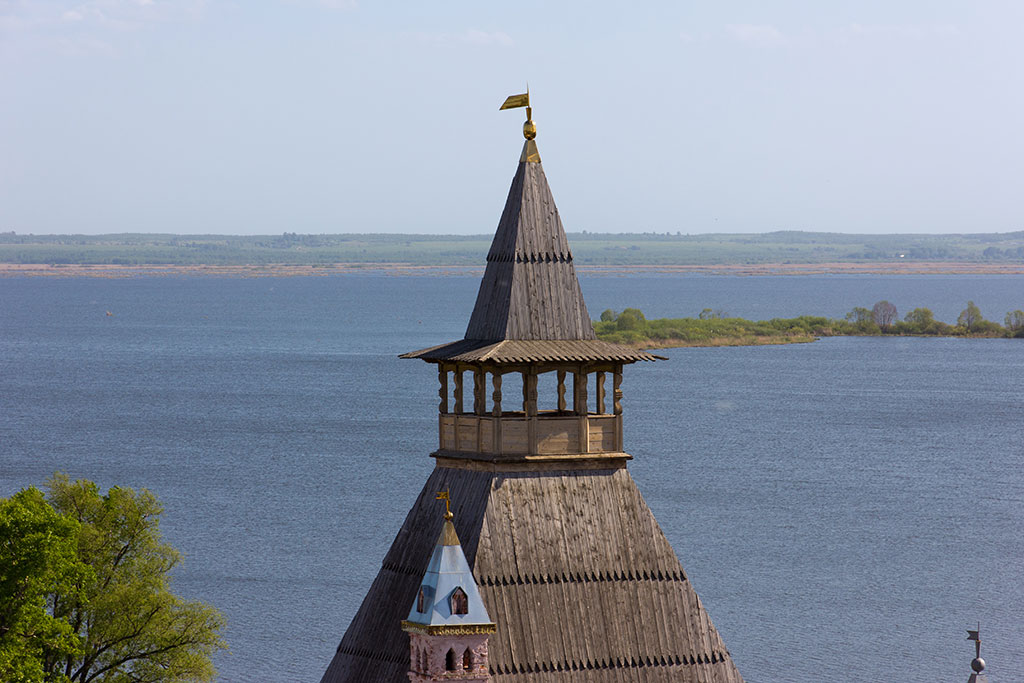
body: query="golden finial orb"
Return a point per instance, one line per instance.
(529, 128)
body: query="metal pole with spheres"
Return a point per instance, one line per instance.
(977, 664)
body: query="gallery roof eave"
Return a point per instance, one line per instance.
(515, 351)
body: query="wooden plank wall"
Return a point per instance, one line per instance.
(552, 435)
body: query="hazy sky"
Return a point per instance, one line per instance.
(310, 116)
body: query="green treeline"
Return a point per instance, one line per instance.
(716, 328)
(595, 249)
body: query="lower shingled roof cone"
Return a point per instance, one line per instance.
(574, 570)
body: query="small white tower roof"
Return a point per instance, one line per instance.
(448, 600)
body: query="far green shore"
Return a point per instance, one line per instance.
(716, 328)
(629, 249)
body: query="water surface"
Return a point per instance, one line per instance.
(845, 509)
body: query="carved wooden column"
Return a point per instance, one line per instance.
(458, 390)
(479, 406)
(458, 405)
(479, 392)
(561, 391)
(617, 406)
(496, 396)
(530, 407)
(579, 406)
(442, 407)
(600, 393)
(496, 412)
(442, 376)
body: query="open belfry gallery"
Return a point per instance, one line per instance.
(541, 562)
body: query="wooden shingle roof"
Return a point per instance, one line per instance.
(530, 292)
(529, 289)
(531, 351)
(573, 569)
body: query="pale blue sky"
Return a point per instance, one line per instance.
(203, 116)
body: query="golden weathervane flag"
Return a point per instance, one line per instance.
(446, 497)
(513, 101)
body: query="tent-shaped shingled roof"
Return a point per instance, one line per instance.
(573, 569)
(530, 306)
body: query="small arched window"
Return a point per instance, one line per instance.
(467, 660)
(450, 661)
(421, 601)
(460, 602)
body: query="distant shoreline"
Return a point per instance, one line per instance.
(406, 269)
(715, 328)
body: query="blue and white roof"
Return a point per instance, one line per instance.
(447, 573)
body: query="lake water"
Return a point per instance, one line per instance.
(845, 509)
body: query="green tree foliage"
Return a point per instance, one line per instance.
(84, 594)
(132, 628)
(988, 328)
(712, 314)
(970, 317)
(608, 316)
(883, 314)
(863, 321)
(922, 317)
(922, 321)
(38, 556)
(859, 315)
(1015, 323)
(630, 319)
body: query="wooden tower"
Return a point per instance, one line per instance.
(573, 568)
